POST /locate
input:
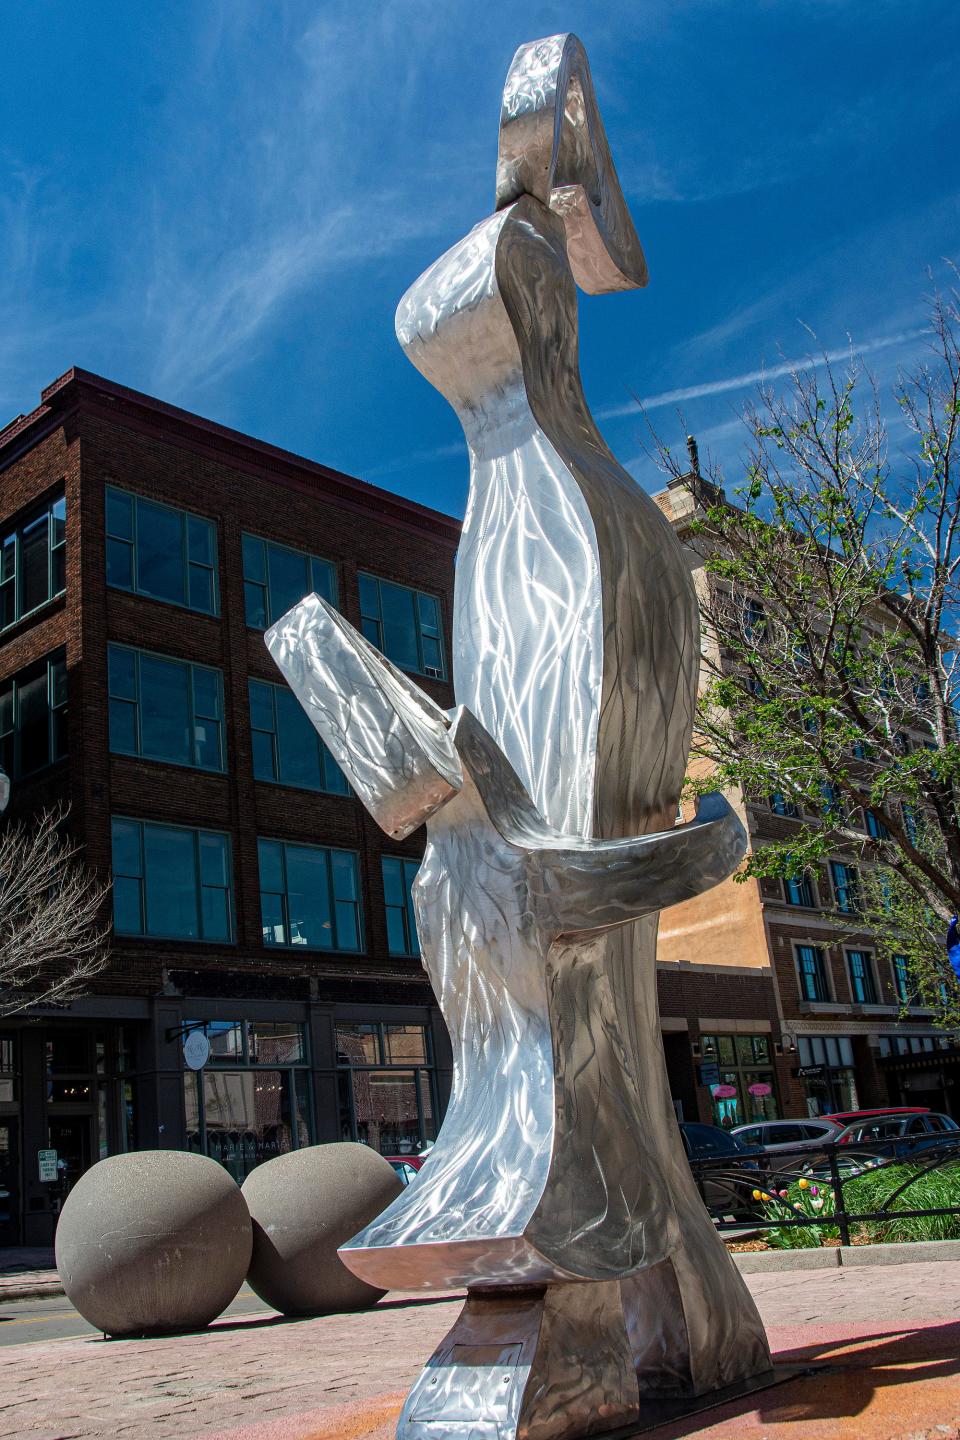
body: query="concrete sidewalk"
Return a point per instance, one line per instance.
(889, 1337)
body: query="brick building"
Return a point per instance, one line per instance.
(800, 994)
(255, 903)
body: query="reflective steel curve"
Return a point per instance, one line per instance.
(557, 1191)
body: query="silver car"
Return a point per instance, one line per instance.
(789, 1134)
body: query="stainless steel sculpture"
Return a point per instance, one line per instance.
(557, 1192)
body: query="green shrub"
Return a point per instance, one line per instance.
(933, 1190)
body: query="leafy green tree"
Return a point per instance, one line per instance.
(829, 602)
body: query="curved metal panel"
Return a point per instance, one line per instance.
(550, 803)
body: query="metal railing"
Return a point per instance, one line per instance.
(727, 1183)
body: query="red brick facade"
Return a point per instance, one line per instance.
(87, 434)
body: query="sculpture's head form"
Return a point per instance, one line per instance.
(553, 146)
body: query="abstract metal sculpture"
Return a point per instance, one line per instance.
(557, 1192)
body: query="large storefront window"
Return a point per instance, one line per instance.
(386, 1086)
(251, 1101)
(826, 1069)
(746, 1085)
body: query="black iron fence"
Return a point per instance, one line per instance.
(771, 1189)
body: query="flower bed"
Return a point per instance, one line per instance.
(862, 1194)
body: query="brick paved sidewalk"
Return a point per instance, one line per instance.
(891, 1336)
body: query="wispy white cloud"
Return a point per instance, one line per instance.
(756, 377)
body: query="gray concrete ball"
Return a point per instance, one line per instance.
(153, 1240)
(303, 1205)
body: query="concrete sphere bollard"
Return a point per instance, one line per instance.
(153, 1240)
(303, 1205)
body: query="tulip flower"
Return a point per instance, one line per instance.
(804, 1184)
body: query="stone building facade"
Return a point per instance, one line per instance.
(790, 965)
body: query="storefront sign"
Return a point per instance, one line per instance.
(196, 1050)
(809, 1072)
(724, 1092)
(47, 1162)
(709, 1074)
(761, 1088)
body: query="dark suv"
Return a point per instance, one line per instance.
(727, 1186)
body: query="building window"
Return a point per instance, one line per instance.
(398, 876)
(903, 981)
(286, 748)
(404, 624)
(845, 887)
(33, 717)
(171, 882)
(812, 969)
(33, 562)
(386, 1085)
(780, 805)
(166, 554)
(826, 1069)
(251, 1102)
(798, 890)
(745, 1067)
(309, 896)
(754, 621)
(874, 826)
(275, 578)
(862, 980)
(164, 709)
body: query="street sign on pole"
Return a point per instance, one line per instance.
(47, 1162)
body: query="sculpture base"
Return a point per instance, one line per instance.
(547, 1363)
(551, 1363)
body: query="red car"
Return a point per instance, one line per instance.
(406, 1166)
(849, 1117)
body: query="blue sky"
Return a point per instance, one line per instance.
(222, 203)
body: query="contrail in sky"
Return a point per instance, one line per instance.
(739, 382)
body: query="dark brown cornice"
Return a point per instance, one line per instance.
(93, 394)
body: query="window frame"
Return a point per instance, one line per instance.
(185, 516)
(190, 666)
(349, 1071)
(47, 664)
(325, 758)
(309, 560)
(144, 933)
(868, 979)
(906, 997)
(803, 886)
(14, 531)
(366, 618)
(846, 891)
(284, 896)
(407, 912)
(821, 973)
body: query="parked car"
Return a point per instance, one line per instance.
(727, 1188)
(890, 1135)
(789, 1143)
(849, 1117)
(406, 1166)
(902, 1133)
(773, 1135)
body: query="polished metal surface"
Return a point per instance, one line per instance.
(557, 1191)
